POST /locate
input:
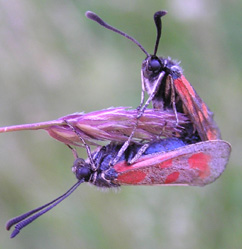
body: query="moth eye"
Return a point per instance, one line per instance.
(83, 173)
(154, 65)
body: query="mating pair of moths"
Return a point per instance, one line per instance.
(192, 153)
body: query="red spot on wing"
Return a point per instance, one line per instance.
(184, 86)
(172, 177)
(200, 161)
(166, 164)
(161, 161)
(205, 110)
(121, 166)
(201, 116)
(212, 135)
(132, 177)
(185, 91)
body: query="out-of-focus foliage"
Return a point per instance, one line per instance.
(54, 61)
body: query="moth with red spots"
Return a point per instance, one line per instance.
(197, 158)
(167, 87)
(165, 162)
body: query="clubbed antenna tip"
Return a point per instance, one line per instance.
(91, 15)
(158, 24)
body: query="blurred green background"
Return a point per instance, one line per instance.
(54, 61)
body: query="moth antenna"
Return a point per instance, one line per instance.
(24, 219)
(91, 15)
(158, 24)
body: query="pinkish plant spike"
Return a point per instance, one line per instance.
(112, 124)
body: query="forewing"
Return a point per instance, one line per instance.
(198, 111)
(196, 165)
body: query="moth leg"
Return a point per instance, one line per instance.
(152, 95)
(139, 153)
(89, 154)
(139, 115)
(173, 97)
(74, 151)
(142, 100)
(124, 146)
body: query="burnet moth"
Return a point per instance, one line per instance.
(164, 162)
(114, 124)
(167, 87)
(170, 161)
